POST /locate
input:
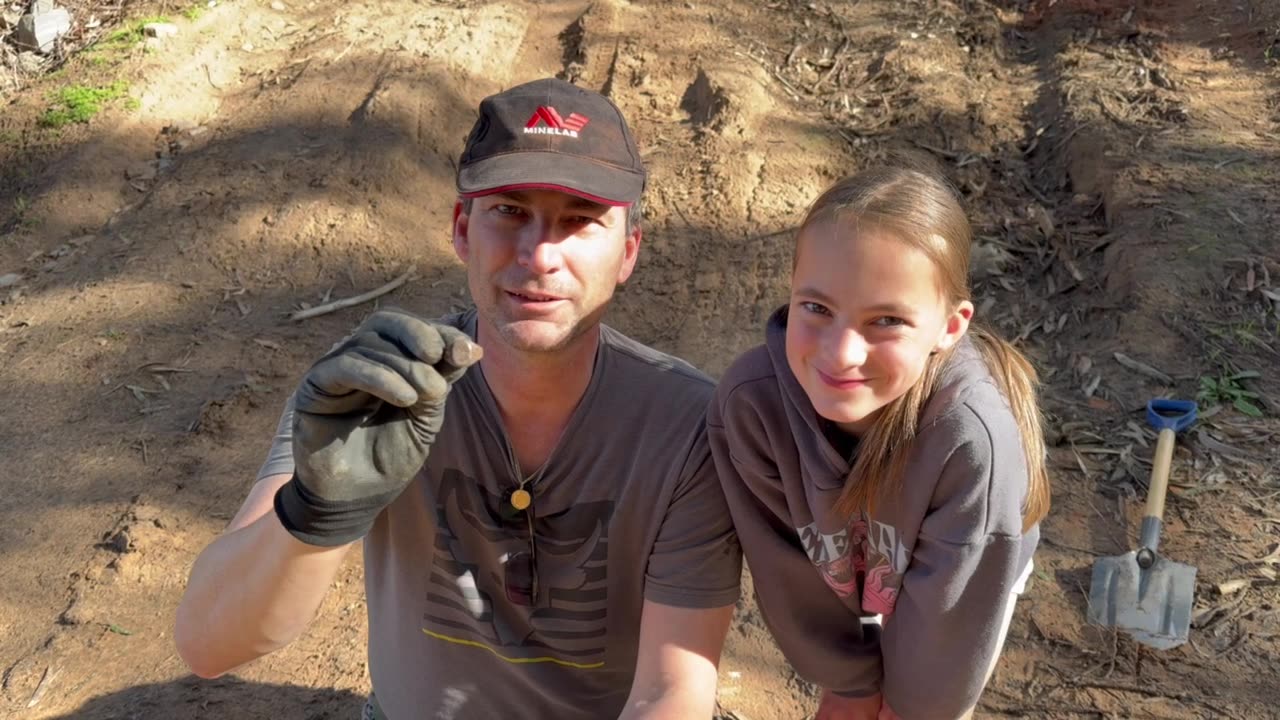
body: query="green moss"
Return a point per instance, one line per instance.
(125, 38)
(79, 103)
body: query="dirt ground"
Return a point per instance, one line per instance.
(1121, 164)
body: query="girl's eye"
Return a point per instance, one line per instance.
(582, 220)
(889, 321)
(815, 308)
(506, 209)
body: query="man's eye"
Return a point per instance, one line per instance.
(506, 209)
(890, 321)
(815, 308)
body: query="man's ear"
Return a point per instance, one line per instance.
(630, 251)
(460, 221)
(957, 325)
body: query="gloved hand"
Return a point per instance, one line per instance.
(364, 419)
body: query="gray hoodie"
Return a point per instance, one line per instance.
(937, 560)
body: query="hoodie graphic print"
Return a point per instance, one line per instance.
(868, 554)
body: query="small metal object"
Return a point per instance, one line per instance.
(521, 499)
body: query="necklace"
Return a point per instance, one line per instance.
(519, 499)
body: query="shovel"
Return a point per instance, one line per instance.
(1140, 592)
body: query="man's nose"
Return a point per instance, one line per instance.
(539, 248)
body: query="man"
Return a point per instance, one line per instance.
(554, 544)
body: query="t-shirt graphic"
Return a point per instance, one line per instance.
(867, 553)
(480, 554)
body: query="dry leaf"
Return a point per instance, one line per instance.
(1092, 386)
(268, 344)
(1084, 364)
(1230, 586)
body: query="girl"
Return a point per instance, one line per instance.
(883, 458)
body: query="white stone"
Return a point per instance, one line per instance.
(10, 279)
(160, 30)
(40, 32)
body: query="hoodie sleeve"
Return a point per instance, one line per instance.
(964, 566)
(824, 640)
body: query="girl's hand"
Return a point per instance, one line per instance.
(835, 707)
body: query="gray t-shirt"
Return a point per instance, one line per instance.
(627, 508)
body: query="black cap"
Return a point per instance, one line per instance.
(552, 135)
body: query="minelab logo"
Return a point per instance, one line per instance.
(546, 121)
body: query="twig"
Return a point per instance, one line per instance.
(344, 52)
(1065, 546)
(1024, 710)
(836, 63)
(209, 76)
(795, 94)
(1137, 689)
(1036, 192)
(1147, 370)
(49, 675)
(351, 301)
(948, 154)
(161, 368)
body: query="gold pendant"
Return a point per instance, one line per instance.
(521, 499)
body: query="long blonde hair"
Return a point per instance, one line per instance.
(920, 209)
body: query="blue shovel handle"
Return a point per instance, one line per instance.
(1175, 415)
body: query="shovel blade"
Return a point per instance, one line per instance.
(1152, 605)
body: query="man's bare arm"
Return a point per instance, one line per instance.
(676, 669)
(253, 590)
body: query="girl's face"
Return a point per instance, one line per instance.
(866, 312)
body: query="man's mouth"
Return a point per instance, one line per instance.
(531, 296)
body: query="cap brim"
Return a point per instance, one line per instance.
(533, 170)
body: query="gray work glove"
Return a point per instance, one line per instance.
(364, 419)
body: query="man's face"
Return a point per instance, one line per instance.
(542, 265)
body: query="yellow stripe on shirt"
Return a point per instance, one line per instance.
(513, 660)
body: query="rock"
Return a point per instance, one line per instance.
(142, 172)
(1160, 79)
(75, 614)
(180, 126)
(83, 240)
(160, 30)
(120, 542)
(41, 31)
(278, 6)
(10, 279)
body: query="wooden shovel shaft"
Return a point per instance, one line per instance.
(1160, 474)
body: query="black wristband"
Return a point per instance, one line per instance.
(326, 523)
